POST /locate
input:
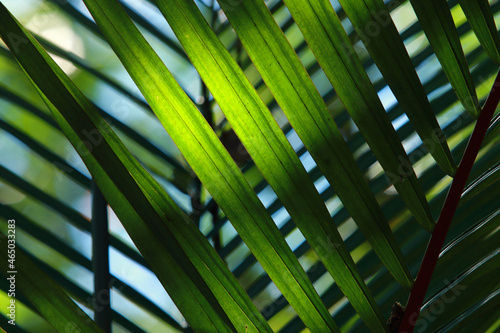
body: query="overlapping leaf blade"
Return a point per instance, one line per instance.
(211, 162)
(119, 175)
(306, 111)
(487, 179)
(436, 21)
(330, 44)
(483, 317)
(481, 235)
(480, 17)
(283, 172)
(374, 25)
(43, 293)
(463, 292)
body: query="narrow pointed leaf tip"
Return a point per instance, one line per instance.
(480, 17)
(331, 46)
(389, 53)
(437, 22)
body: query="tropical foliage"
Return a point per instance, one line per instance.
(312, 154)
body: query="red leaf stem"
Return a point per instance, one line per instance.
(449, 208)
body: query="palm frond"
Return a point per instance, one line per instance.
(312, 91)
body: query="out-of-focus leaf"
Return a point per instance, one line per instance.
(44, 152)
(73, 216)
(181, 176)
(45, 295)
(27, 225)
(91, 26)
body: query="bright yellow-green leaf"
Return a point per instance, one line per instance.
(208, 158)
(198, 281)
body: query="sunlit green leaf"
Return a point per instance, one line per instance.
(149, 233)
(308, 114)
(208, 158)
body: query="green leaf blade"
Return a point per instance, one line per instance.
(114, 175)
(389, 53)
(487, 179)
(213, 165)
(303, 106)
(480, 17)
(330, 44)
(437, 23)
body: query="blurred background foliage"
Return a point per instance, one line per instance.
(45, 186)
